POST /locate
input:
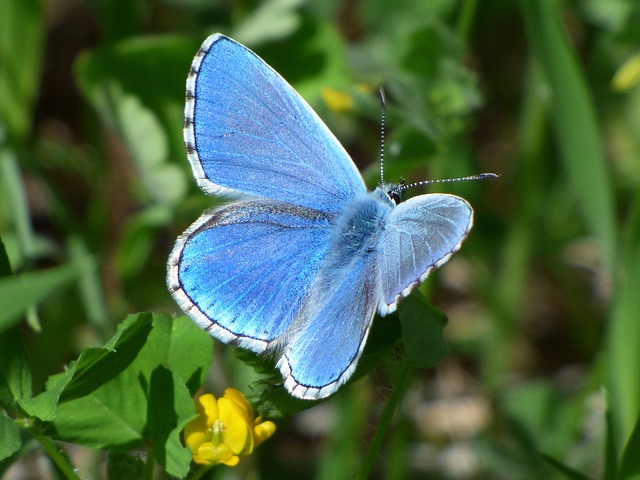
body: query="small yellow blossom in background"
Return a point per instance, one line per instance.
(336, 100)
(341, 101)
(225, 429)
(628, 75)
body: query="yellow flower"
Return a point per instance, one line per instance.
(337, 100)
(628, 75)
(225, 429)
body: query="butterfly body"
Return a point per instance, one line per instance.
(357, 230)
(302, 257)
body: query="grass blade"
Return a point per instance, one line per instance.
(575, 123)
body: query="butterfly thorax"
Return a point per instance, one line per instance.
(359, 226)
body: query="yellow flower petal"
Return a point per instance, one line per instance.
(207, 405)
(236, 432)
(263, 430)
(337, 100)
(205, 453)
(194, 437)
(210, 454)
(232, 461)
(628, 75)
(224, 429)
(240, 402)
(197, 430)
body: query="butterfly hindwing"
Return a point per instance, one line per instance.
(242, 271)
(324, 349)
(420, 235)
(248, 131)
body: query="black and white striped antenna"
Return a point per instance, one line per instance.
(396, 190)
(383, 114)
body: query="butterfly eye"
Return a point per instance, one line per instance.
(395, 191)
(395, 196)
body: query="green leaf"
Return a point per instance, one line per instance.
(15, 196)
(149, 147)
(137, 239)
(623, 341)
(384, 336)
(21, 40)
(564, 469)
(113, 416)
(10, 441)
(5, 265)
(262, 365)
(275, 402)
(127, 66)
(540, 417)
(170, 408)
(575, 123)
(94, 367)
(270, 21)
(45, 405)
(180, 344)
(19, 292)
(422, 331)
(144, 403)
(15, 374)
(145, 114)
(124, 465)
(630, 461)
(610, 450)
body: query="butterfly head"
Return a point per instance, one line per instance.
(394, 191)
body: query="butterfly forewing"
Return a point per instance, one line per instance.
(247, 131)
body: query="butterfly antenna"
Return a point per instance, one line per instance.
(480, 176)
(383, 114)
(395, 192)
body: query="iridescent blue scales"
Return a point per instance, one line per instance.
(301, 257)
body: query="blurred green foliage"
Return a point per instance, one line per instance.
(542, 376)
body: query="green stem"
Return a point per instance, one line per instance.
(149, 465)
(200, 472)
(54, 454)
(465, 19)
(397, 394)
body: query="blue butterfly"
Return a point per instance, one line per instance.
(301, 257)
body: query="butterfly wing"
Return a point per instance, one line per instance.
(242, 271)
(248, 131)
(420, 235)
(326, 344)
(251, 273)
